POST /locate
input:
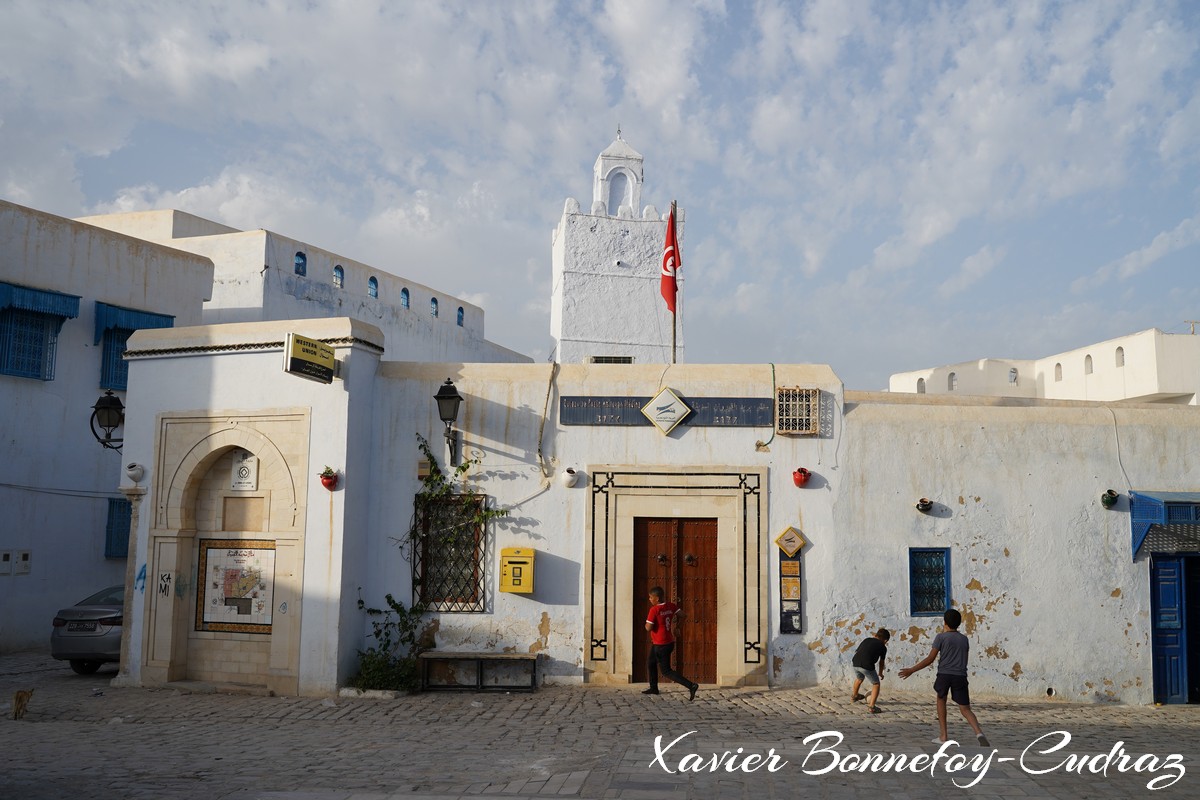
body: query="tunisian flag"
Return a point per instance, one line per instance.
(671, 262)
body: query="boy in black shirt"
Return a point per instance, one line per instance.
(869, 652)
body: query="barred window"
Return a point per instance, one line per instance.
(116, 531)
(28, 343)
(797, 411)
(448, 556)
(928, 580)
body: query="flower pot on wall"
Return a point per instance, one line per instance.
(801, 476)
(1109, 499)
(330, 482)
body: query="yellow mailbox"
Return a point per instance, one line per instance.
(516, 570)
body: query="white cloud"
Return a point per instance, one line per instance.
(1185, 234)
(847, 155)
(973, 269)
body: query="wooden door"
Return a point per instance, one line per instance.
(680, 555)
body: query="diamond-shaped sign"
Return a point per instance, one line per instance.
(665, 410)
(790, 541)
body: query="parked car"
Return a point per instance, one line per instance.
(88, 634)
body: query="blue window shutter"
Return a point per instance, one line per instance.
(108, 317)
(116, 531)
(40, 301)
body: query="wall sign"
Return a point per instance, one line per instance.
(791, 618)
(710, 412)
(665, 410)
(237, 580)
(308, 358)
(244, 476)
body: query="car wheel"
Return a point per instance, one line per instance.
(83, 667)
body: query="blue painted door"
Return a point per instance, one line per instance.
(1169, 635)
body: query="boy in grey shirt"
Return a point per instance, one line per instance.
(952, 647)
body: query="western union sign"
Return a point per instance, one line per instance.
(308, 358)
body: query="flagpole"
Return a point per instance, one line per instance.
(674, 315)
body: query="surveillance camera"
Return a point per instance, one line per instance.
(135, 471)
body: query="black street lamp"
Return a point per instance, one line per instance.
(448, 400)
(108, 414)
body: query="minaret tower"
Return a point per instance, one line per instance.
(607, 266)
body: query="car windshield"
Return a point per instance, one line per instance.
(112, 596)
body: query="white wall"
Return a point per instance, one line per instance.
(602, 307)
(55, 478)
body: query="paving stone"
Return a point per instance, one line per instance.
(82, 737)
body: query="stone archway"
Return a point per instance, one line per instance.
(198, 518)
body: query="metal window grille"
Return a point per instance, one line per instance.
(612, 359)
(929, 580)
(114, 370)
(116, 530)
(28, 343)
(797, 411)
(448, 560)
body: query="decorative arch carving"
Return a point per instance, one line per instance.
(180, 492)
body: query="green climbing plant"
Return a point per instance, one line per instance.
(445, 541)
(391, 662)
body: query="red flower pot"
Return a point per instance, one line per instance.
(329, 481)
(801, 476)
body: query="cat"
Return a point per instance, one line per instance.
(20, 702)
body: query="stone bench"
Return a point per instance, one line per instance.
(481, 662)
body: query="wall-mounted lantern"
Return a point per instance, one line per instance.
(448, 400)
(108, 414)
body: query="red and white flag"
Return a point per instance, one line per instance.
(671, 262)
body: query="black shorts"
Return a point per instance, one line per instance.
(955, 686)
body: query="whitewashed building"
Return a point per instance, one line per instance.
(781, 580)
(262, 275)
(70, 295)
(606, 270)
(1144, 367)
(790, 517)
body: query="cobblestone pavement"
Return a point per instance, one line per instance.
(84, 738)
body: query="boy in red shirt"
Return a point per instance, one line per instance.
(661, 623)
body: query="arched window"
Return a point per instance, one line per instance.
(433, 306)
(1087, 365)
(920, 386)
(339, 276)
(301, 264)
(952, 381)
(404, 298)
(460, 316)
(619, 192)
(372, 287)
(1120, 356)
(1058, 372)
(1012, 376)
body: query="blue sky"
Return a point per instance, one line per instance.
(877, 186)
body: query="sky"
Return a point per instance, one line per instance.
(881, 187)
